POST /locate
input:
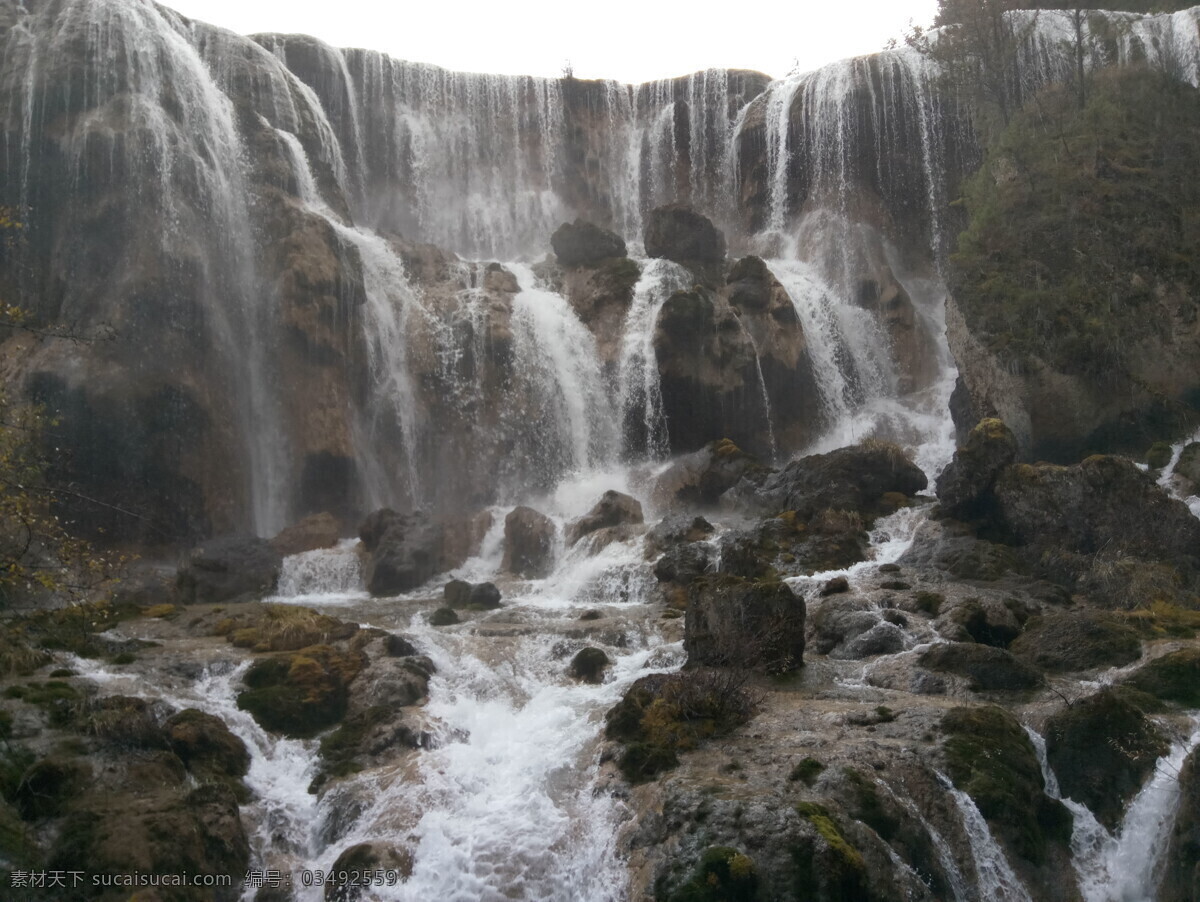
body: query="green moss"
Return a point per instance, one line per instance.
(1174, 677)
(828, 829)
(990, 758)
(807, 771)
(869, 806)
(340, 748)
(299, 695)
(1158, 456)
(722, 875)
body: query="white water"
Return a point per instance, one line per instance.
(995, 878)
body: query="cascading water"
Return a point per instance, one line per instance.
(995, 878)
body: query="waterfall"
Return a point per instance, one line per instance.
(995, 878)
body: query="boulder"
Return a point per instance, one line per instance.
(585, 244)
(684, 563)
(835, 586)
(613, 509)
(313, 532)
(376, 525)
(528, 543)
(753, 624)
(1181, 880)
(457, 593)
(1174, 677)
(362, 859)
(988, 669)
(205, 744)
(230, 569)
(964, 486)
(700, 479)
(443, 617)
(674, 530)
(951, 547)
(1066, 641)
(838, 619)
(679, 233)
(1103, 748)
(407, 555)
(1188, 466)
(484, 597)
(884, 638)
(854, 478)
(299, 694)
(588, 665)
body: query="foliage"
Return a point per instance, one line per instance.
(1080, 221)
(723, 875)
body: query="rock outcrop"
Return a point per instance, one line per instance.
(229, 569)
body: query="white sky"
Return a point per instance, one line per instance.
(623, 39)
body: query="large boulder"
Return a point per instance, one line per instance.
(205, 745)
(854, 478)
(314, 531)
(300, 694)
(1174, 677)
(986, 668)
(528, 543)
(1103, 748)
(583, 243)
(963, 487)
(754, 624)
(613, 509)
(700, 479)
(1188, 466)
(679, 233)
(1181, 881)
(229, 569)
(1065, 641)
(405, 552)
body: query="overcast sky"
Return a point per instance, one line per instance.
(623, 39)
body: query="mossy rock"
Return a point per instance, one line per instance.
(443, 617)
(806, 771)
(302, 694)
(1159, 455)
(990, 758)
(988, 669)
(869, 806)
(48, 786)
(205, 745)
(1067, 641)
(827, 866)
(1175, 677)
(1103, 748)
(283, 627)
(722, 875)
(122, 722)
(589, 664)
(364, 858)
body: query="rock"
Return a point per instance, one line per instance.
(205, 745)
(1103, 748)
(300, 694)
(839, 619)
(700, 479)
(443, 617)
(684, 563)
(228, 570)
(613, 509)
(588, 665)
(1188, 465)
(314, 531)
(1159, 455)
(457, 593)
(407, 552)
(991, 758)
(883, 638)
(848, 479)
(676, 529)
(952, 548)
(366, 858)
(397, 646)
(47, 787)
(584, 244)
(679, 233)
(988, 669)
(528, 543)
(1174, 677)
(376, 525)
(986, 622)
(484, 597)
(1066, 641)
(1181, 880)
(836, 585)
(964, 486)
(733, 622)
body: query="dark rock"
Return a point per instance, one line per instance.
(732, 622)
(989, 623)
(1159, 455)
(1065, 641)
(205, 744)
(676, 529)
(836, 585)
(588, 665)
(1188, 465)
(591, 615)
(300, 694)
(408, 554)
(681, 234)
(1174, 677)
(366, 858)
(1181, 880)
(376, 525)
(397, 646)
(528, 543)
(484, 597)
(443, 617)
(848, 479)
(952, 547)
(1103, 748)
(701, 478)
(684, 563)
(228, 570)
(314, 531)
(964, 486)
(988, 669)
(584, 244)
(889, 568)
(883, 638)
(839, 619)
(457, 593)
(47, 787)
(613, 509)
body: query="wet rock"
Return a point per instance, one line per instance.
(47, 787)
(839, 619)
(282, 627)
(366, 858)
(457, 593)
(300, 694)
(952, 548)
(205, 745)
(987, 622)
(1188, 465)
(315, 531)
(407, 555)
(443, 617)
(964, 486)
(733, 622)
(988, 669)
(676, 529)
(228, 570)
(588, 665)
(612, 510)
(366, 738)
(684, 563)
(1181, 880)
(585, 244)
(376, 525)
(1103, 748)
(1066, 641)
(835, 586)
(528, 543)
(849, 479)
(398, 646)
(679, 233)
(1173, 677)
(700, 479)
(883, 638)
(991, 759)
(484, 597)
